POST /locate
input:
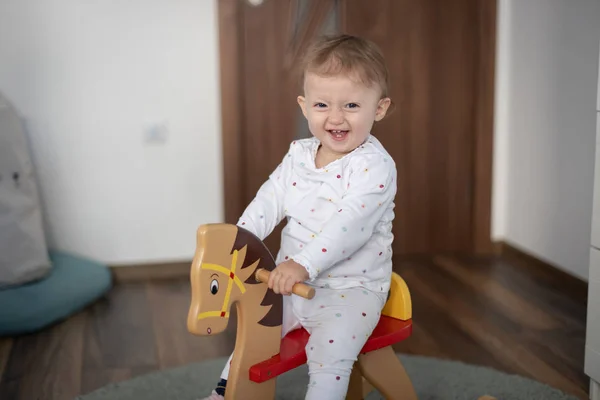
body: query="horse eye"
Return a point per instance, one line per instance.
(214, 286)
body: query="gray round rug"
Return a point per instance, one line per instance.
(434, 379)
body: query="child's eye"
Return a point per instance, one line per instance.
(352, 105)
(320, 105)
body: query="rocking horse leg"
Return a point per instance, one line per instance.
(355, 389)
(252, 390)
(366, 387)
(383, 369)
(254, 343)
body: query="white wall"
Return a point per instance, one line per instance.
(545, 128)
(90, 78)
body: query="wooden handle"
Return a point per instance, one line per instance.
(299, 289)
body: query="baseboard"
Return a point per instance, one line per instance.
(577, 286)
(510, 249)
(144, 272)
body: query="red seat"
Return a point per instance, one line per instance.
(292, 354)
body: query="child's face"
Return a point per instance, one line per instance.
(341, 111)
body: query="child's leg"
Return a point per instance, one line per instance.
(225, 372)
(339, 323)
(219, 392)
(220, 389)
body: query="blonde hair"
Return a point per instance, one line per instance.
(346, 54)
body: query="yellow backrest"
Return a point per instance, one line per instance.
(399, 304)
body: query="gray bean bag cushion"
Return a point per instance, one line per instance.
(23, 252)
(38, 287)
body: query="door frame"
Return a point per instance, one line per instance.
(229, 30)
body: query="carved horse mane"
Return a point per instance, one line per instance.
(258, 251)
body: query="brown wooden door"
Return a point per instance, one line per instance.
(441, 56)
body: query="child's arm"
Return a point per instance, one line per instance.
(266, 210)
(372, 189)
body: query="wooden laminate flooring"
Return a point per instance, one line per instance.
(508, 313)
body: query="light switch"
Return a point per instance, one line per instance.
(156, 133)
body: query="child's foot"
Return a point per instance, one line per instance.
(219, 392)
(213, 396)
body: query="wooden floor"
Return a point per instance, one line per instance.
(511, 314)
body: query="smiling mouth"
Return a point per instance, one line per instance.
(338, 134)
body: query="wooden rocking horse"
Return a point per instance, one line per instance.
(228, 267)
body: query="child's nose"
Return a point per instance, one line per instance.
(336, 116)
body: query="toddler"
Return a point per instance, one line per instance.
(337, 191)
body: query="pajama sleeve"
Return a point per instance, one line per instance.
(371, 190)
(266, 210)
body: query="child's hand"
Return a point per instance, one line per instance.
(285, 276)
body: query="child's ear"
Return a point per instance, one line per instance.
(382, 108)
(302, 103)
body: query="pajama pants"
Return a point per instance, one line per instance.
(339, 323)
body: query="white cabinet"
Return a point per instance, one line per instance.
(598, 91)
(592, 341)
(592, 344)
(595, 239)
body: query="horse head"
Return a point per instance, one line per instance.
(223, 273)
